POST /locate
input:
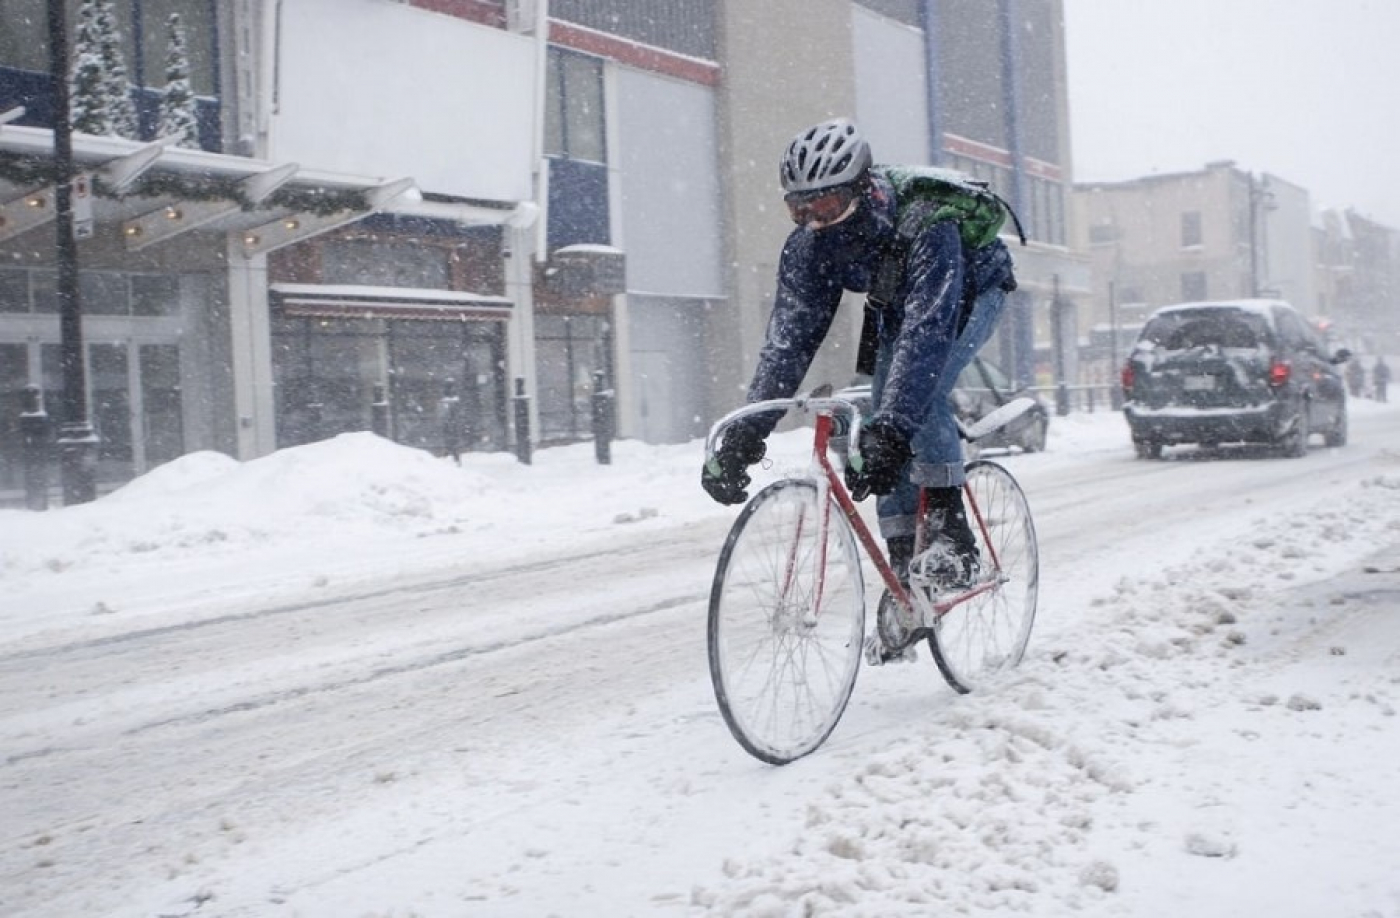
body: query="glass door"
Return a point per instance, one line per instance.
(110, 398)
(163, 436)
(14, 376)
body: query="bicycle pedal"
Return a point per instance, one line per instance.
(877, 654)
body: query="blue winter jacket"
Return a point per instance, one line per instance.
(816, 266)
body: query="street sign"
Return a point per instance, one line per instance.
(82, 207)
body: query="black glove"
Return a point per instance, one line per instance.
(876, 465)
(725, 476)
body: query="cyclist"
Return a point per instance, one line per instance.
(942, 307)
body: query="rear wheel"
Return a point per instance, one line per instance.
(1148, 449)
(1294, 443)
(787, 619)
(1033, 440)
(988, 633)
(1337, 434)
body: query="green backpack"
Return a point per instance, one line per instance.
(925, 195)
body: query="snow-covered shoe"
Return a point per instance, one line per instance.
(946, 567)
(951, 562)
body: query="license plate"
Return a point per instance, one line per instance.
(1198, 383)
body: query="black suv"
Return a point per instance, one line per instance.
(1243, 371)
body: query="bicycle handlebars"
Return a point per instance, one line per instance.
(839, 409)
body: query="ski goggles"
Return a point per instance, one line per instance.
(820, 209)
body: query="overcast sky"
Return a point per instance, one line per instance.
(1308, 90)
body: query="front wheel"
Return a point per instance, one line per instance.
(787, 619)
(988, 633)
(1033, 440)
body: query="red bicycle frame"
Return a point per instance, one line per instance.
(837, 488)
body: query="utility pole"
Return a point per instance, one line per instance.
(1260, 199)
(77, 441)
(1020, 307)
(1253, 237)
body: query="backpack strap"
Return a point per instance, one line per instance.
(1015, 220)
(888, 276)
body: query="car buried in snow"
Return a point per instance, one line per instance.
(1239, 371)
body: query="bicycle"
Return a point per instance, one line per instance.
(786, 630)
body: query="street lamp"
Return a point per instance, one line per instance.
(77, 441)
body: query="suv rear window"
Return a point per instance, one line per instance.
(1224, 328)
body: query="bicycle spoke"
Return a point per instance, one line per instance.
(988, 632)
(783, 669)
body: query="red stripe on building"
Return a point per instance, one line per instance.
(964, 146)
(485, 12)
(634, 54)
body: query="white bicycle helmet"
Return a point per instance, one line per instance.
(823, 156)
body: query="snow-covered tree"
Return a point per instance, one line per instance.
(178, 118)
(100, 90)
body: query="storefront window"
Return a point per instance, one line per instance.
(573, 114)
(434, 360)
(43, 287)
(155, 295)
(197, 20)
(24, 39)
(103, 294)
(569, 349)
(327, 370)
(385, 264)
(14, 291)
(14, 376)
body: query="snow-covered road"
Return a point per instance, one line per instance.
(529, 729)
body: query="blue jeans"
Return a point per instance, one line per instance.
(938, 452)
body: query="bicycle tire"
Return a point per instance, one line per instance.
(988, 633)
(782, 671)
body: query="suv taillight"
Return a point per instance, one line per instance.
(1279, 371)
(1126, 377)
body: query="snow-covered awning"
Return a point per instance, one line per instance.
(355, 301)
(156, 192)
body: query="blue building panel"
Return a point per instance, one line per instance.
(578, 203)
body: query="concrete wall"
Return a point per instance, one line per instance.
(788, 64)
(1286, 236)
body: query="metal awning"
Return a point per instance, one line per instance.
(156, 192)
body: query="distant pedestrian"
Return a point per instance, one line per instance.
(1356, 377)
(450, 417)
(1380, 378)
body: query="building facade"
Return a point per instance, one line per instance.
(327, 259)
(396, 204)
(970, 85)
(1358, 276)
(1218, 233)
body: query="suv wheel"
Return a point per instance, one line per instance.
(1294, 443)
(1337, 435)
(1033, 440)
(1148, 449)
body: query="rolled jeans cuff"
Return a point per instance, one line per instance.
(937, 474)
(898, 511)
